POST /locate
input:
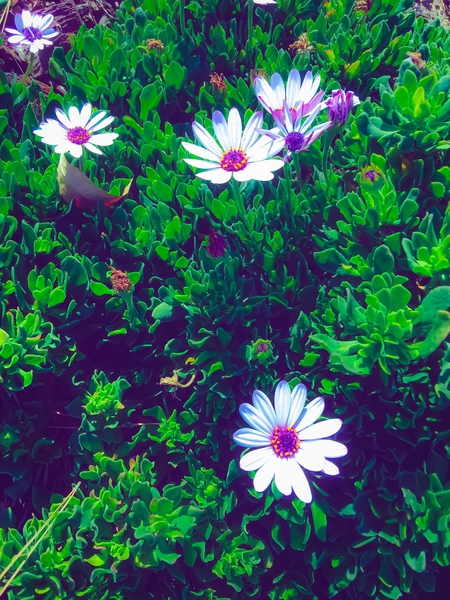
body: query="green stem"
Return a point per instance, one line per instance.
(250, 29)
(182, 17)
(325, 153)
(298, 171)
(239, 202)
(28, 71)
(288, 171)
(81, 161)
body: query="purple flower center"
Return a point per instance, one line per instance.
(234, 160)
(294, 141)
(262, 347)
(78, 135)
(285, 441)
(372, 175)
(216, 244)
(31, 34)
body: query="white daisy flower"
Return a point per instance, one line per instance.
(70, 133)
(297, 135)
(299, 95)
(32, 31)
(287, 440)
(243, 156)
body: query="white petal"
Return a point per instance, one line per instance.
(100, 125)
(313, 461)
(92, 148)
(235, 128)
(206, 139)
(261, 171)
(277, 85)
(330, 468)
(50, 34)
(314, 86)
(327, 448)
(103, 139)
(85, 114)
(200, 151)
(26, 18)
(34, 47)
(220, 126)
(320, 430)
(255, 419)
(200, 164)
(95, 119)
(46, 42)
(282, 403)
(265, 94)
(300, 484)
(215, 175)
(293, 87)
(76, 150)
(14, 31)
(255, 459)
(265, 148)
(63, 147)
(18, 21)
(63, 118)
(250, 135)
(311, 413)
(265, 474)
(283, 476)
(45, 22)
(16, 39)
(305, 91)
(74, 116)
(262, 403)
(298, 399)
(250, 438)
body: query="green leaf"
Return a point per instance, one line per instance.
(57, 296)
(163, 311)
(175, 75)
(319, 521)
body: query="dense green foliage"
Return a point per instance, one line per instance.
(345, 279)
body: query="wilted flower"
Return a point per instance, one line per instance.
(216, 244)
(32, 31)
(297, 136)
(70, 133)
(298, 94)
(217, 82)
(243, 156)
(340, 105)
(362, 5)
(301, 45)
(262, 351)
(416, 59)
(153, 44)
(120, 281)
(370, 175)
(287, 439)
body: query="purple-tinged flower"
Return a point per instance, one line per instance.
(371, 175)
(339, 106)
(216, 244)
(297, 135)
(32, 31)
(299, 95)
(286, 439)
(243, 156)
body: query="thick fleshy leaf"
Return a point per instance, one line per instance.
(255, 459)
(75, 184)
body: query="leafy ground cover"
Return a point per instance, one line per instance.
(200, 202)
